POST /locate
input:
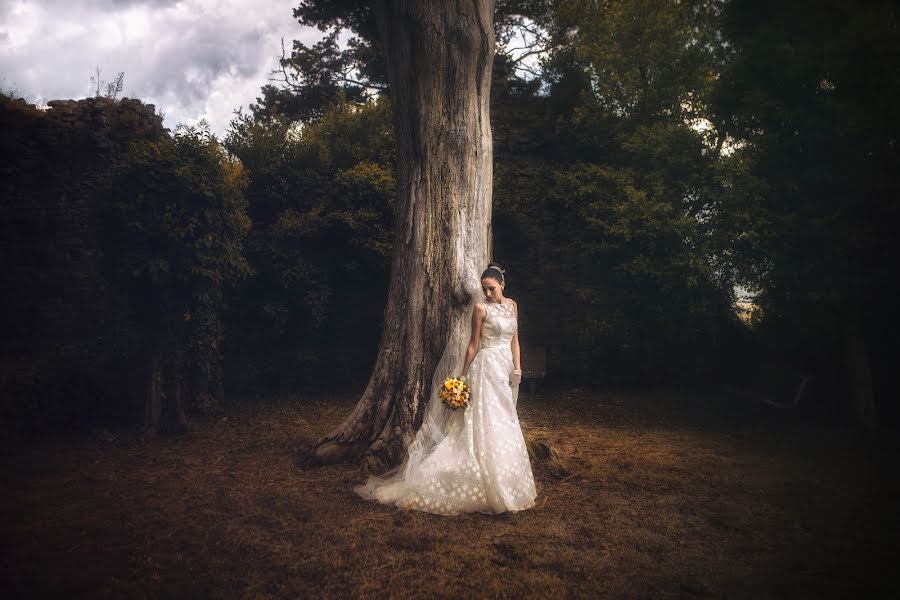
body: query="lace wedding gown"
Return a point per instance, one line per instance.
(480, 463)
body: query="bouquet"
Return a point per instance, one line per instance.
(455, 392)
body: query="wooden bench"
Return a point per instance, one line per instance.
(534, 364)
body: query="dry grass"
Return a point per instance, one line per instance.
(663, 495)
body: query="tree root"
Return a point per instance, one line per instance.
(335, 452)
(539, 451)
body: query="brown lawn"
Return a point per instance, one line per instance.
(664, 494)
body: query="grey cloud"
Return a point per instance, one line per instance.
(182, 62)
(129, 3)
(207, 51)
(104, 5)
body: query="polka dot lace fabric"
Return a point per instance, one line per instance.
(481, 464)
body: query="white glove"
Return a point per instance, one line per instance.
(515, 378)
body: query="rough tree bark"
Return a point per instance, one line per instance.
(439, 55)
(163, 402)
(860, 375)
(163, 397)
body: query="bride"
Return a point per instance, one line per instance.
(472, 459)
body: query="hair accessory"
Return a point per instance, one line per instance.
(502, 271)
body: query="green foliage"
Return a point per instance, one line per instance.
(812, 93)
(620, 269)
(348, 134)
(646, 58)
(625, 215)
(322, 198)
(175, 223)
(135, 236)
(183, 199)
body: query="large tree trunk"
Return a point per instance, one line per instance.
(153, 399)
(163, 399)
(439, 55)
(861, 388)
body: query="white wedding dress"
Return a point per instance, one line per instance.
(477, 461)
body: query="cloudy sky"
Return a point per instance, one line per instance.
(193, 59)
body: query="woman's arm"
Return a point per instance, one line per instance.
(514, 344)
(478, 315)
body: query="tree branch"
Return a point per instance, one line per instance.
(526, 55)
(363, 84)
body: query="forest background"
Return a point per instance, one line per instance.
(650, 159)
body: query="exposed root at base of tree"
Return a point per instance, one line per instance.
(334, 452)
(373, 456)
(539, 450)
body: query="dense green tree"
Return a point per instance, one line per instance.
(812, 93)
(646, 59)
(120, 241)
(611, 197)
(63, 353)
(322, 199)
(173, 232)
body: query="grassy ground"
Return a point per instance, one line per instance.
(663, 495)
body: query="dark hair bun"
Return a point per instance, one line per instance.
(494, 271)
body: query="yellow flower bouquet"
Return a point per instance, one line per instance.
(455, 393)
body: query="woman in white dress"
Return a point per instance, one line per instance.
(472, 459)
